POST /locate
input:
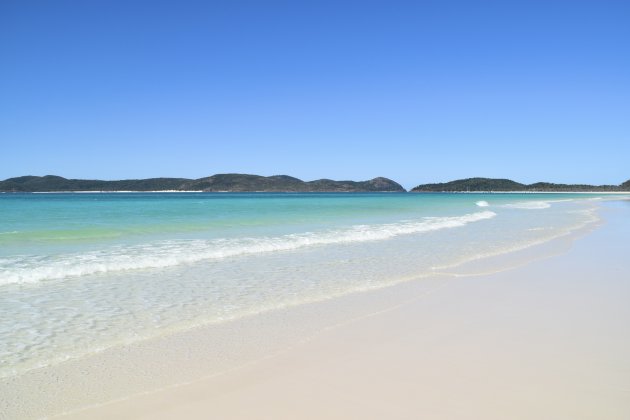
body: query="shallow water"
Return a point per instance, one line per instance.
(83, 272)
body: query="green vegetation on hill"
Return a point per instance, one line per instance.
(283, 183)
(52, 183)
(219, 182)
(472, 184)
(547, 186)
(502, 185)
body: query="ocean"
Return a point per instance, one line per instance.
(83, 272)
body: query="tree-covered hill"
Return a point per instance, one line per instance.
(472, 184)
(219, 182)
(503, 185)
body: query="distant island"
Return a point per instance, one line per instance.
(504, 185)
(285, 183)
(214, 183)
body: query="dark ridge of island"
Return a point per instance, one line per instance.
(214, 183)
(506, 185)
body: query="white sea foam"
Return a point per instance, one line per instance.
(528, 205)
(534, 205)
(33, 269)
(482, 203)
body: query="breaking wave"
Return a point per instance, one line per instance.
(534, 205)
(33, 269)
(528, 205)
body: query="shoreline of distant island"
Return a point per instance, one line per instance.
(227, 183)
(507, 185)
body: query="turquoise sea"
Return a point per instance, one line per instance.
(80, 273)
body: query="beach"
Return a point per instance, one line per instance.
(537, 332)
(314, 210)
(547, 340)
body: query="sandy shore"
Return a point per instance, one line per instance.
(547, 338)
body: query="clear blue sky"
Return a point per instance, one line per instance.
(417, 91)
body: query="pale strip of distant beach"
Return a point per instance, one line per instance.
(419, 192)
(115, 192)
(542, 333)
(623, 193)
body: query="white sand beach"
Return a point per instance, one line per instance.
(235, 210)
(548, 339)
